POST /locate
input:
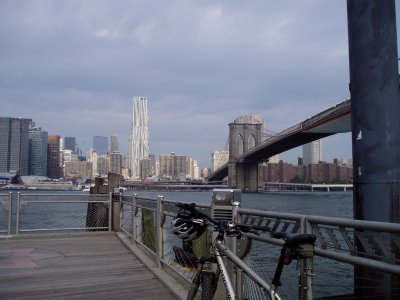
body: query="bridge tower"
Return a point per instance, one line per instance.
(245, 133)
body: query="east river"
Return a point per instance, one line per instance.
(328, 204)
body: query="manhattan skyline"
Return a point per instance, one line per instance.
(202, 64)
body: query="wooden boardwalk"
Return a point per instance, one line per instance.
(89, 266)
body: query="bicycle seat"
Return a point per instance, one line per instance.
(295, 239)
(298, 245)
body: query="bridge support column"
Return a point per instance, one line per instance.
(246, 176)
(375, 105)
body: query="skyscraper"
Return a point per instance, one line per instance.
(69, 143)
(312, 152)
(115, 156)
(114, 143)
(138, 144)
(38, 140)
(116, 162)
(14, 145)
(100, 145)
(54, 163)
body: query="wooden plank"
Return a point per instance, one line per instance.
(71, 267)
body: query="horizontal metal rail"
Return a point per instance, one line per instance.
(94, 219)
(336, 237)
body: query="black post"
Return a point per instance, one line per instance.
(375, 104)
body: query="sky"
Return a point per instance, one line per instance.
(74, 67)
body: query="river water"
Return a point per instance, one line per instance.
(328, 204)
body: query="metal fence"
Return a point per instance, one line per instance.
(341, 244)
(5, 213)
(33, 213)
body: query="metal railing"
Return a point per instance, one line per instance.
(33, 213)
(341, 244)
(5, 213)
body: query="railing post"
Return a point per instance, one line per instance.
(116, 211)
(120, 212)
(306, 267)
(110, 212)
(9, 212)
(18, 213)
(237, 273)
(159, 235)
(134, 229)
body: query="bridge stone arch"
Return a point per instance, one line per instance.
(245, 133)
(251, 142)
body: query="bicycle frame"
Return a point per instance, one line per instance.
(299, 247)
(219, 251)
(239, 263)
(205, 266)
(225, 276)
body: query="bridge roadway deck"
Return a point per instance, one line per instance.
(85, 266)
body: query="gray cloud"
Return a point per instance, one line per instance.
(74, 66)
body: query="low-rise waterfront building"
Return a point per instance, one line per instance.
(78, 169)
(321, 172)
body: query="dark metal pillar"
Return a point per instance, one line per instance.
(375, 101)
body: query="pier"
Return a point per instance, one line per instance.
(74, 266)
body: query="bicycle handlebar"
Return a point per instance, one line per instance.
(222, 224)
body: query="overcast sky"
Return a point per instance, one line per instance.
(74, 67)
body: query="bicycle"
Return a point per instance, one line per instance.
(191, 222)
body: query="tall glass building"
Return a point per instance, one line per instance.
(100, 145)
(138, 144)
(14, 145)
(69, 143)
(37, 152)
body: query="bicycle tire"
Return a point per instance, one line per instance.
(195, 284)
(207, 285)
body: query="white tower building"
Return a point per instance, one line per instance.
(219, 158)
(312, 152)
(138, 144)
